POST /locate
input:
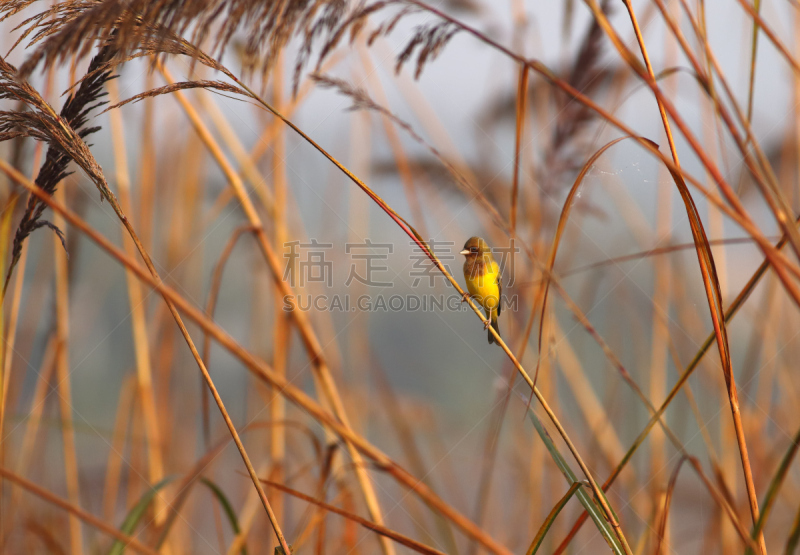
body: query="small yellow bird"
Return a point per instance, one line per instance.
(484, 282)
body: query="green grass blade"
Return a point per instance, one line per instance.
(586, 500)
(548, 522)
(135, 515)
(227, 507)
(753, 49)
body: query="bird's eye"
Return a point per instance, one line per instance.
(474, 250)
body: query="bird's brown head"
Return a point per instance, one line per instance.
(475, 247)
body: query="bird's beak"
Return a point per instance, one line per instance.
(465, 252)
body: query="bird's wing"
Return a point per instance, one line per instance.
(499, 291)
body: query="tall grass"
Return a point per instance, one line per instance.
(642, 171)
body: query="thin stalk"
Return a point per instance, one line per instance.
(522, 95)
(63, 380)
(141, 343)
(281, 323)
(8, 336)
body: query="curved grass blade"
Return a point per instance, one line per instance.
(586, 500)
(562, 222)
(227, 507)
(548, 522)
(136, 514)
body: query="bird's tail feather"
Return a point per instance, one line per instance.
(496, 327)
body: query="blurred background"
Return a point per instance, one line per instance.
(102, 398)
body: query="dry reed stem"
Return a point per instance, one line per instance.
(247, 162)
(141, 342)
(9, 335)
(661, 298)
(281, 320)
(147, 165)
(753, 49)
(63, 380)
(489, 453)
(136, 485)
(261, 369)
(661, 541)
(310, 340)
(522, 95)
(656, 252)
(246, 518)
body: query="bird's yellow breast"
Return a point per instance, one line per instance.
(484, 287)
